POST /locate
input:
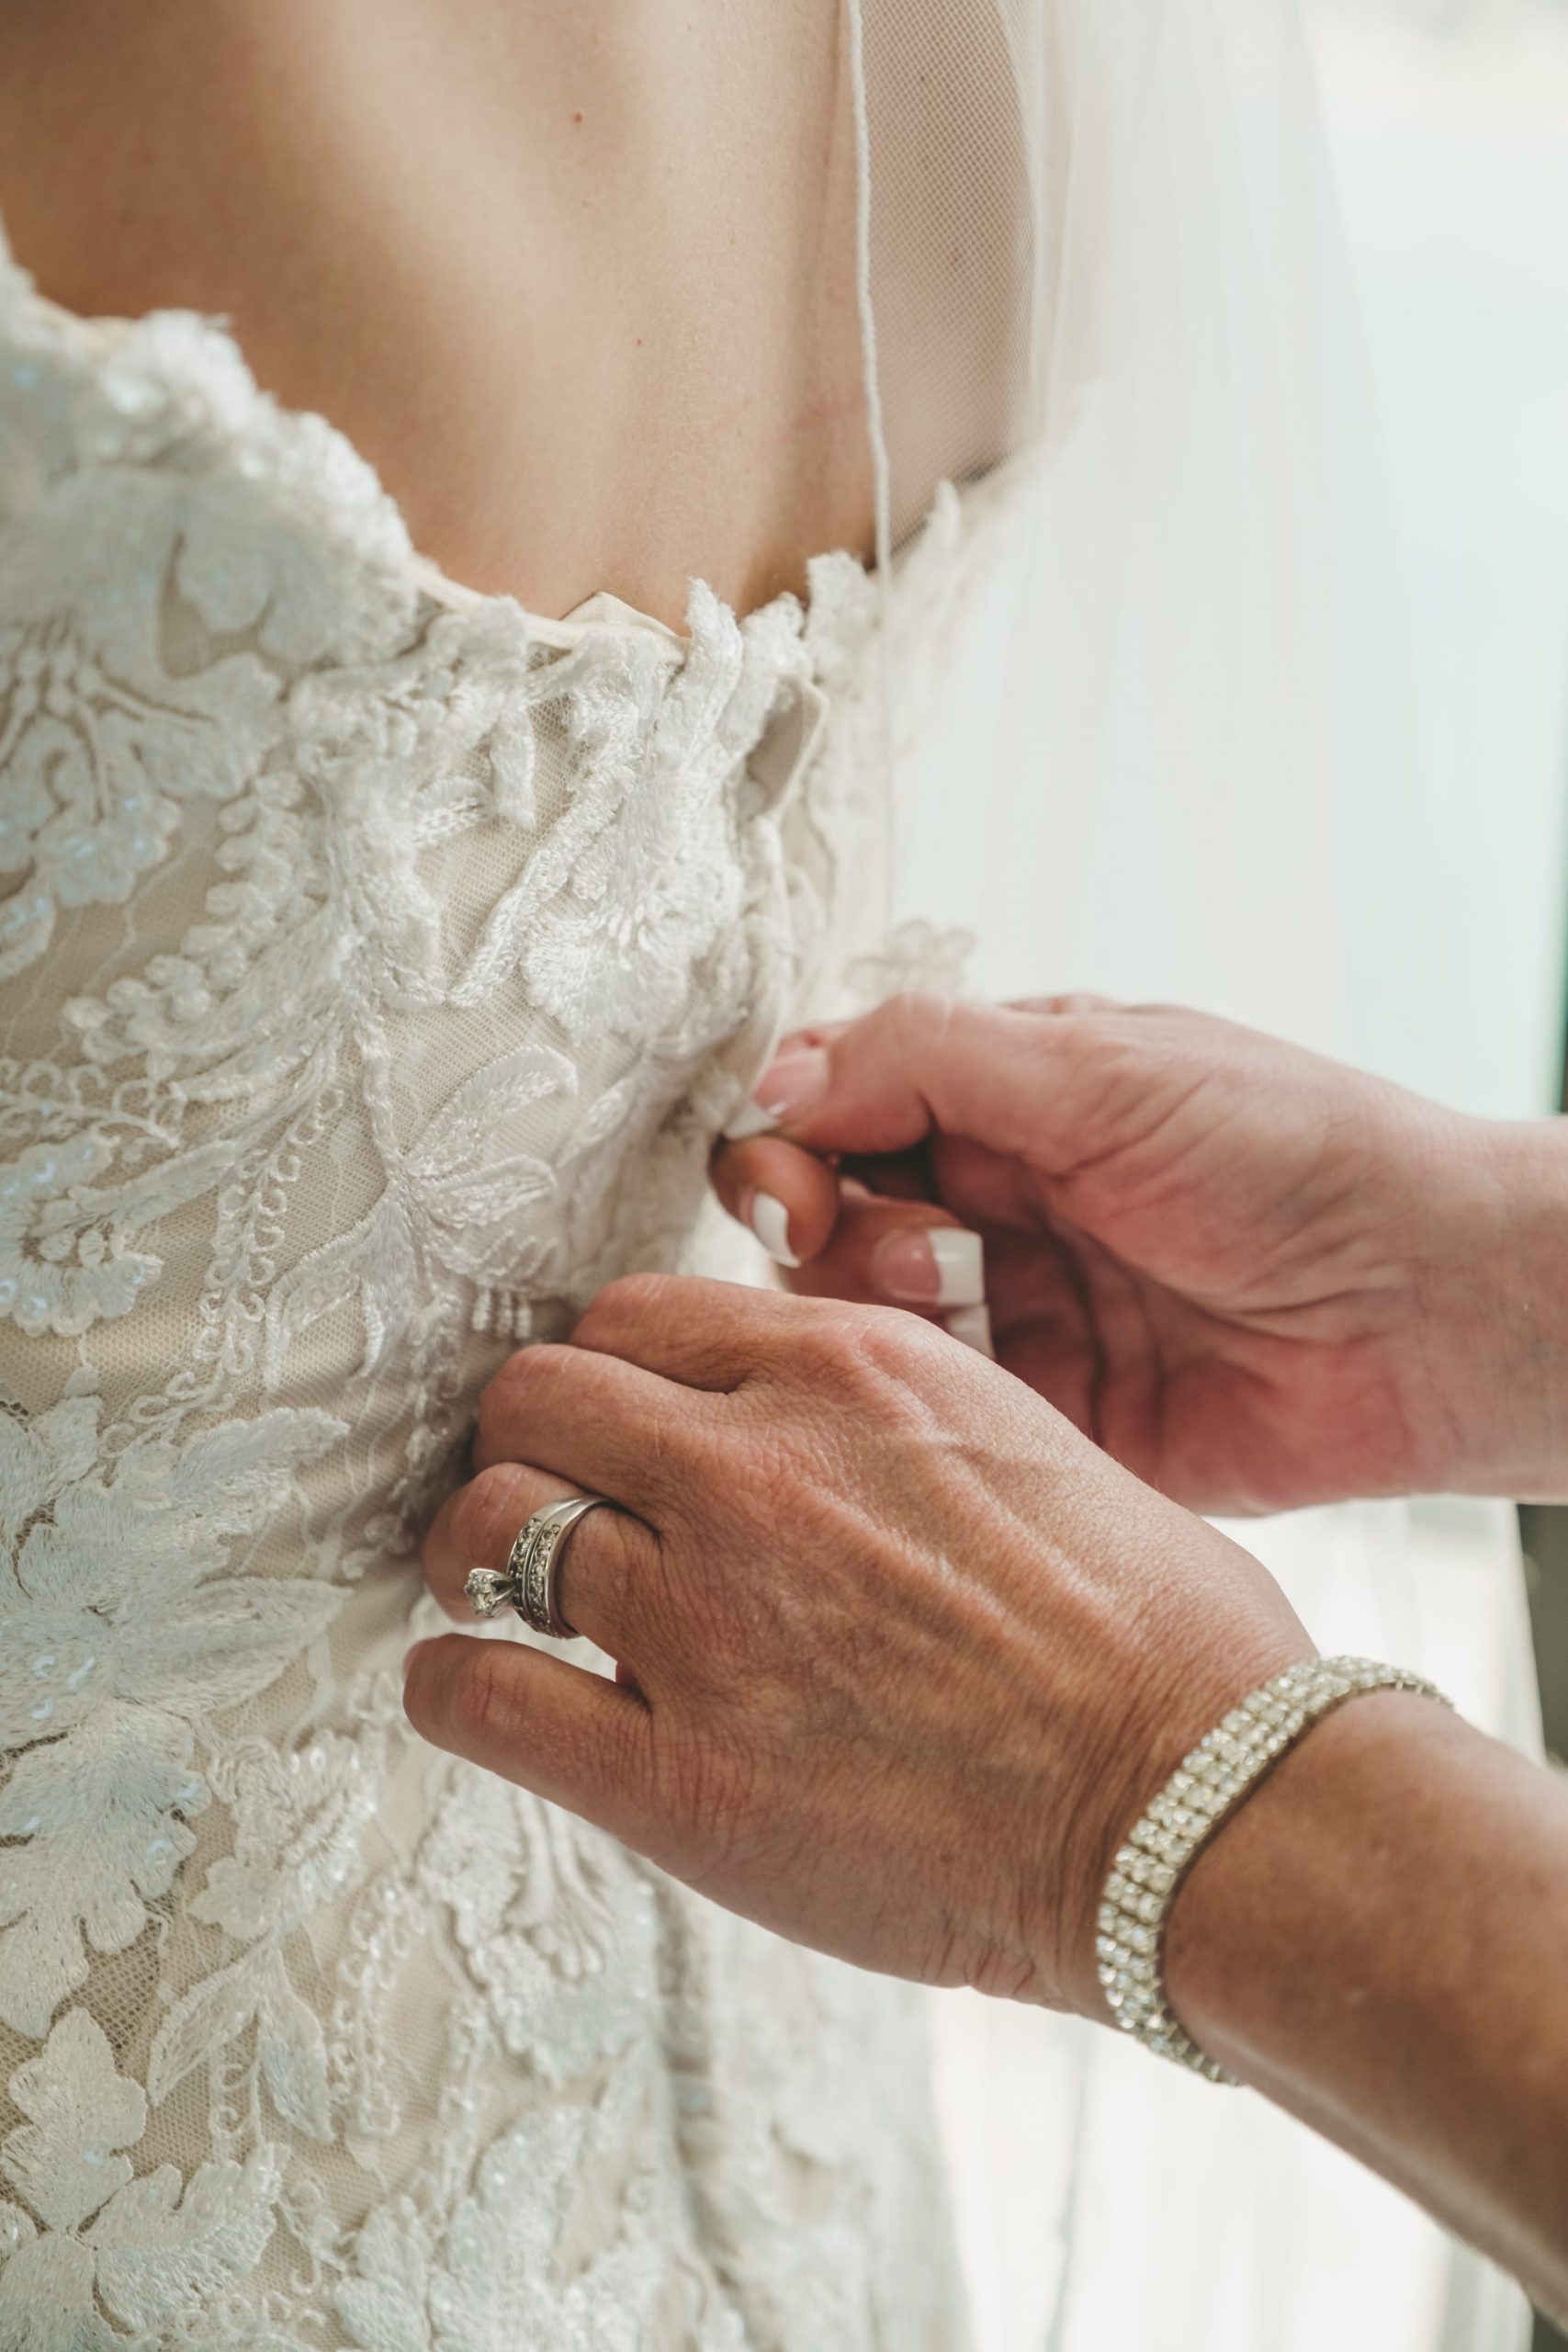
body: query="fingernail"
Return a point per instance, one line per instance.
(791, 1085)
(938, 1265)
(971, 1326)
(769, 1220)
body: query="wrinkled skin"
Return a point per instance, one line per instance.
(903, 1644)
(901, 1653)
(1258, 1279)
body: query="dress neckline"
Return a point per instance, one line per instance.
(603, 609)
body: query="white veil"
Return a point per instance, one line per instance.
(1102, 266)
(1102, 249)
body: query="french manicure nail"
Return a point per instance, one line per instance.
(791, 1086)
(971, 1326)
(769, 1220)
(748, 1121)
(937, 1265)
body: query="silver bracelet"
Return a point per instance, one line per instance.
(1199, 1797)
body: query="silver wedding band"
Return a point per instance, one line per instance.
(531, 1576)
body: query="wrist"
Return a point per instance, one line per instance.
(1167, 1710)
(1238, 1973)
(1375, 1943)
(1214, 1783)
(1492, 1316)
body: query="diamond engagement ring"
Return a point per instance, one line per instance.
(533, 1571)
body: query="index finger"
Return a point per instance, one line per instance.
(1046, 1080)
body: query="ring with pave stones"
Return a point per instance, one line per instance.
(533, 1571)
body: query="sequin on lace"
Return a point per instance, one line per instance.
(376, 964)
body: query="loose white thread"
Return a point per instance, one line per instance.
(874, 432)
(882, 501)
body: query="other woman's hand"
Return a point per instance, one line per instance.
(901, 1656)
(1257, 1278)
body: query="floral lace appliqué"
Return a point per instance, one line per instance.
(377, 966)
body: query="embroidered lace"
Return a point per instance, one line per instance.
(377, 963)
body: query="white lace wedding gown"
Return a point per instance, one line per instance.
(377, 963)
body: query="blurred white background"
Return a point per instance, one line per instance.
(1448, 123)
(1077, 2164)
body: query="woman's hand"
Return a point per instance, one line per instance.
(901, 1656)
(1257, 1279)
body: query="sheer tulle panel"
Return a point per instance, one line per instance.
(1193, 654)
(955, 222)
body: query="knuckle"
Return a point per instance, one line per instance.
(891, 1344)
(841, 1350)
(826, 1337)
(629, 1298)
(484, 1514)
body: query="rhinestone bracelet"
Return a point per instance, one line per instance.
(1199, 1797)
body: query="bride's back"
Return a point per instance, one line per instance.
(580, 282)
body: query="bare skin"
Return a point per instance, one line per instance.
(902, 1656)
(1376, 1942)
(902, 1652)
(540, 263)
(1259, 1280)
